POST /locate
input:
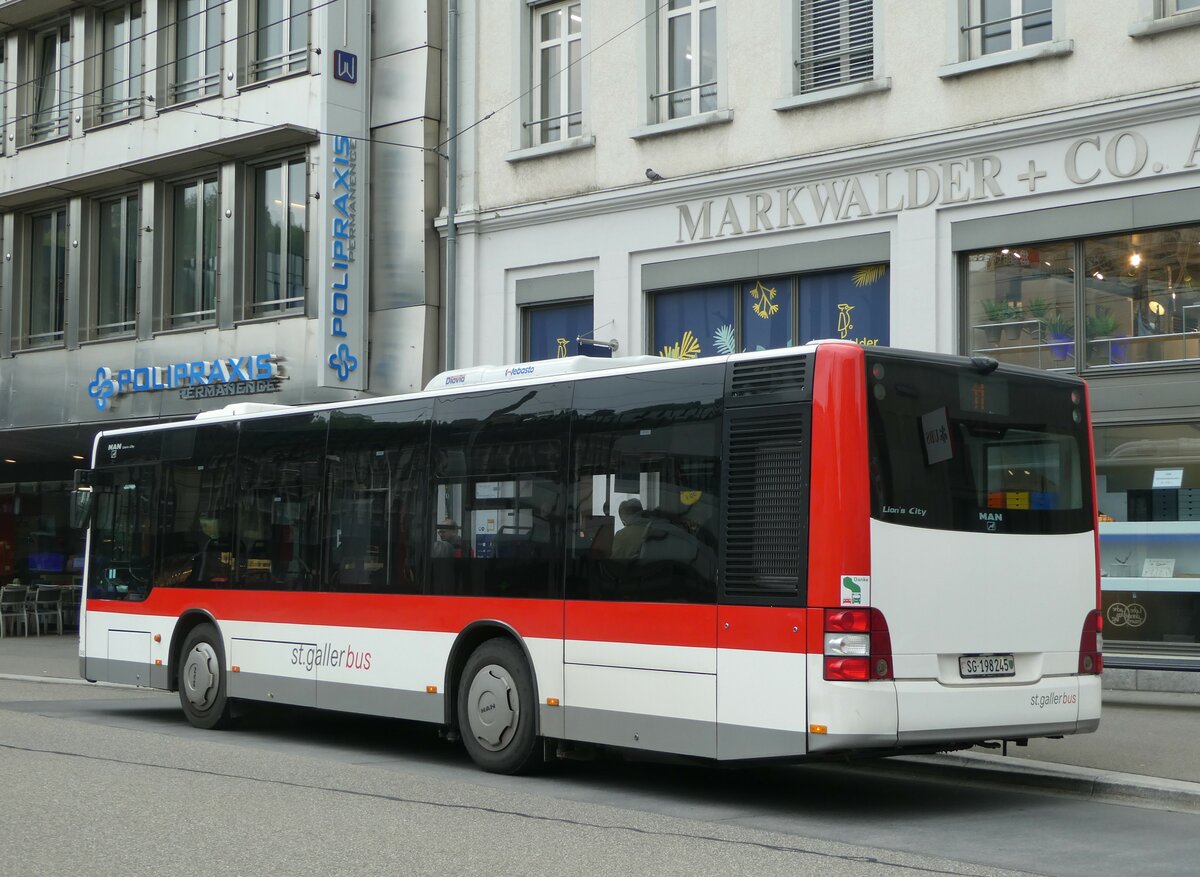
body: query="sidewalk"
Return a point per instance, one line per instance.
(1147, 749)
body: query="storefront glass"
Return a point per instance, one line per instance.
(1106, 303)
(1148, 488)
(37, 544)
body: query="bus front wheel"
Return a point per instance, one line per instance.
(202, 679)
(497, 709)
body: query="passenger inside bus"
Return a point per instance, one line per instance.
(449, 542)
(627, 542)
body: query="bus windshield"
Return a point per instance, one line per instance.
(953, 448)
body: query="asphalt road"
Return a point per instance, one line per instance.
(105, 780)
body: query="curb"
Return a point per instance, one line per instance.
(1096, 785)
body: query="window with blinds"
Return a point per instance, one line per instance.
(837, 43)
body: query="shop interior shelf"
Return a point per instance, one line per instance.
(1150, 585)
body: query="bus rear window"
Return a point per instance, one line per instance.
(954, 449)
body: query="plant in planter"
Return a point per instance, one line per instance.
(1037, 308)
(1061, 330)
(1000, 312)
(1101, 330)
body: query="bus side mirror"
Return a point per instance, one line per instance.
(82, 499)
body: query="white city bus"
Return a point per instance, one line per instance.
(784, 554)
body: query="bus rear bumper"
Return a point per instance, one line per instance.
(929, 712)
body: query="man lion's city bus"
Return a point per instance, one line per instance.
(773, 555)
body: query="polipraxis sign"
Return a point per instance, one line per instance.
(198, 379)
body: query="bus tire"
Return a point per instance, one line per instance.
(202, 679)
(497, 715)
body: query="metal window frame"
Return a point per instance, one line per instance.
(290, 60)
(209, 81)
(60, 215)
(665, 16)
(95, 329)
(53, 121)
(536, 46)
(256, 307)
(129, 106)
(173, 319)
(973, 28)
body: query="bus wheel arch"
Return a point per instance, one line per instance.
(183, 626)
(204, 678)
(491, 697)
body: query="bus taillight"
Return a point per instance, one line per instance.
(1091, 644)
(858, 646)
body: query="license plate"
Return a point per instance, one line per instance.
(980, 666)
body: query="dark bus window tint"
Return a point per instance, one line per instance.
(122, 546)
(279, 476)
(198, 507)
(122, 450)
(646, 477)
(377, 479)
(955, 449)
(497, 521)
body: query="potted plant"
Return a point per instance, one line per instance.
(1061, 331)
(1037, 308)
(1101, 330)
(994, 311)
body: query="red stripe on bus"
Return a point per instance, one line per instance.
(762, 628)
(756, 628)
(529, 618)
(660, 624)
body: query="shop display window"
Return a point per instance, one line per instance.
(1148, 489)
(1096, 304)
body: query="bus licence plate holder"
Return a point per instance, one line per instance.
(986, 666)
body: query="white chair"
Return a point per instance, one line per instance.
(12, 609)
(47, 608)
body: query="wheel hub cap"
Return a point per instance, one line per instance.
(493, 707)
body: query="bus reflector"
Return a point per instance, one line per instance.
(858, 646)
(818, 729)
(236, 669)
(552, 701)
(1091, 644)
(431, 689)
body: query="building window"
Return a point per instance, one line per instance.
(1110, 302)
(1175, 7)
(772, 312)
(1148, 493)
(280, 38)
(194, 49)
(1005, 25)
(552, 331)
(194, 253)
(47, 278)
(687, 59)
(837, 44)
(280, 230)
(557, 91)
(117, 259)
(121, 64)
(50, 84)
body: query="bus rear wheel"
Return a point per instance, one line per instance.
(497, 709)
(202, 679)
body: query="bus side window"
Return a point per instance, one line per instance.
(375, 530)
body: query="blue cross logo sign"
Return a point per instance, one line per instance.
(345, 66)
